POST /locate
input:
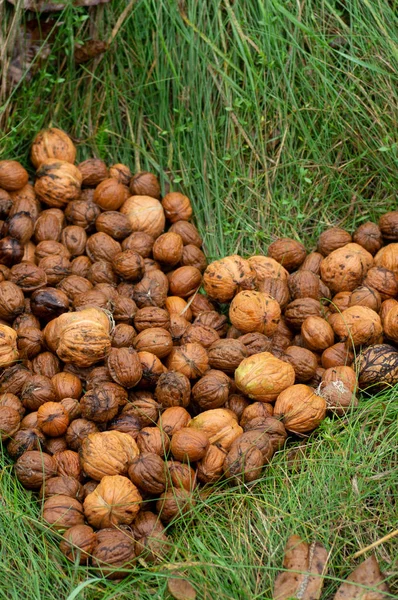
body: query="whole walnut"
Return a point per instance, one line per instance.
(77, 431)
(299, 408)
(223, 278)
(129, 265)
(178, 326)
(101, 246)
(184, 281)
(377, 367)
(93, 171)
(52, 143)
(36, 391)
(255, 410)
(114, 224)
(173, 419)
(144, 407)
(276, 288)
(237, 403)
(20, 227)
(68, 464)
(148, 472)
(220, 426)
(244, 462)
(107, 453)
(174, 503)
(212, 390)
(366, 296)
(63, 484)
(28, 276)
(139, 241)
(80, 266)
(12, 175)
(62, 512)
(11, 251)
(72, 407)
(152, 369)
(201, 334)
(33, 467)
(288, 253)
(13, 402)
(177, 207)
(305, 284)
(263, 377)
(114, 502)
(332, 239)
(194, 257)
(120, 172)
(265, 267)
(173, 389)
(182, 476)
(52, 419)
(12, 379)
(368, 235)
(151, 316)
(124, 366)
(344, 269)
(168, 248)
(390, 323)
(153, 439)
(126, 424)
(336, 355)
(151, 290)
(255, 343)
(303, 361)
(340, 302)
(385, 308)
(75, 239)
(123, 336)
(145, 214)
(82, 213)
(188, 233)
(189, 359)
(114, 553)
(9, 422)
(358, 325)
(57, 182)
(254, 311)
(66, 385)
(297, 311)
(226, 355)
(100, 404)
(317, 334)
(156, 340)
(110, 194)
(383, 281)
(312, 262)
(49, 225)
(8, 346)
(145, 184)
(210, 467)
(387, 257)
(213, 319)
(78, 543)
(12, 302)
(55, 268)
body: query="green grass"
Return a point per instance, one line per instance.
(275, 118)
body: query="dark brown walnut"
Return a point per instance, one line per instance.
(312, 262)
(148, 472)
(297, 311)
(72, 407)
(274, 428)
(214, 320)
(49, 225)
(143, 406)
(244, 462)
(129, 265)
(24, 200)
(383, 281)
(74, 238)
(126, 423)
(153, 439)
(190, 359)
(34, 467)
(54, 445)
(201, 334)
(256, 410)
(226, 355)
(77, 431)
(237, 403)
(177, 207)
(276, 288)
(110, 194)
(82, 213)
(121, 173)
(317, 334)
(368, 235)
(20, 226)
(101, 271)
(211, 391)
(37, 390)
(11, 251)
(56, 268)
(123, 336)
(261, 440)
(173, 419)
(151, 290)
(255, 343)
(50, 248)
(156, 340)
(168, 248)
(151, 316)
(305, 284)
(188, 233)
(12, 379)
(57, 183)
(29, 342)
(366, 296)
(210, 468)
(28, 276)
(12, 401)
(12, 301)
(198, 303)
(124, 310)
(174, 503)
(336, 355)
(288, 253)
(331, 239)
(340, 302)
(9, 422)
(124, 366)
(66, 385)
(25, 320)
(194, 257)
(52, 419)
(173, 389)
(178, 326)
(145, 184)
(90, 486)
(62, 512)
(151, 265)
(80, 266)
(100, 404)
(93, 171)
(62, 484)
(153, 548)
(114, 224)
(78, 544)
(101, 246)
(184, 281)
(114, 553)
(377, 367)
(139, 241)
(46, 364)
(91, 298)
(181, 475)
(6, 204)
(29, 421)
(388, 225)
(48, 303)
(303, 361)
(189, 445)
(68, 464)
(12, 175)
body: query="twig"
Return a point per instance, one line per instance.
(375, 544)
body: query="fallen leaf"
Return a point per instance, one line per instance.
(89, 50)
(181, 589)
(305, 566)
(367, 575)
(55, 5)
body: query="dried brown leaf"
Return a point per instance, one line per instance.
(305, 566)
(367, 575)
(89, 50)
(181, 589)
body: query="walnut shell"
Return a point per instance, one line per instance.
(78, 543)
(276, 288)
(184, 281)
(52, 419)
(153, 439)
(57, 182)
(93, 171)
(300, 409)
(303, 361)
(82, 213)
(114, 502)
(114, 553)
(220, 426)
(210, 467)
(182, 475)
(194, 257)
(107, 453)
(145, 214)
(337, 355)
(223, 278)
(344, 268)
(145, 184)
(288, 253)
(156, 340)
(148, 472)
(33, 467)
(173, 389)
(52, 143)
(200, 334)
(244, 462)
(263, 376)
(317, 334)
(62, 512)
(188, 233)
(338, 397)
(77, 431)
(358, 325)
(190, 359)
(212, 390)
(12, 175)
(67, 486)
(378, 367)
(226, 355)
(383, 281)
(151, 290)
(332, 239)
(254, 311)
(120, 172)
(368, 235)
(174, 503)
(168, 248)
(177, 207)
(173, 419)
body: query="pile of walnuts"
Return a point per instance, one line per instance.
(124, 386)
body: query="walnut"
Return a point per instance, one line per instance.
(114, 502)
(148, 472)
(173, 389)
(226, 355)
(288, 253)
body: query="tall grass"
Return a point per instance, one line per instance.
(275, 118)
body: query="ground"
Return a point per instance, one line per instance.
(275, 118)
